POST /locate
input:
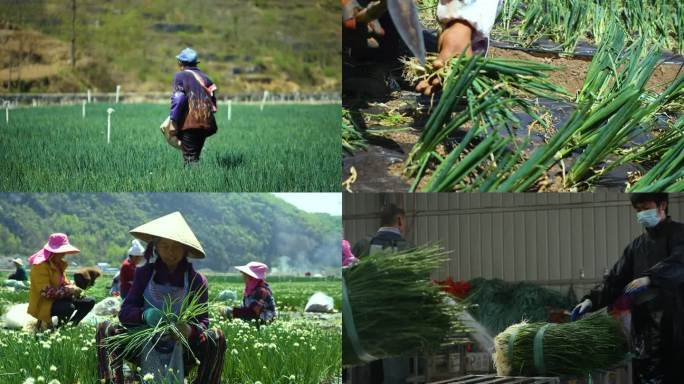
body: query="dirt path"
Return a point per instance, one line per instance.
(574, 69)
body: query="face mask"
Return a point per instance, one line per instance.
(648, 218)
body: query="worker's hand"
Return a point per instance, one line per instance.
(580, 309)
(454, 39)
(186, 330)
(152, 316)
(637, 285)
(355, 16)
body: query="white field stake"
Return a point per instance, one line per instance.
(263, 101)
(7, 114)
(118, 89)
(89, 96)
(34, 103)
(230, 109)
(109, 123)
(83, 109)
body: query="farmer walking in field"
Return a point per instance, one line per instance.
(257, 300)
(650, 276)
(193, 105)
(389, 237)
(52, 294)
(374, 39)
(168, 282)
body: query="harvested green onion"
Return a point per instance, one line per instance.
(546, 349)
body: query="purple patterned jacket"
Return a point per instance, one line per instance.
(186, 91)
(132, 307)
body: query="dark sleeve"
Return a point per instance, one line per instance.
(20, 274)
(132, 307)
(13, 276)
(669, 272)
(178, 84)
(255, 309)
(615, 282)
(212, 88)
(126, 276)
(179, 106)
(361, 248)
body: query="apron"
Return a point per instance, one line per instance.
(166, 354)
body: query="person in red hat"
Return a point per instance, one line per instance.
(52, 294)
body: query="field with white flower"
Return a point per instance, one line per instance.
(298, 347)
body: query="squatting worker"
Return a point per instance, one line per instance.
(369, 37)
(193, 105)
(127, 270)
(52, 294)
(651, 275)
(388, 238)
(257, 298)
(168, 277)
(19, 273)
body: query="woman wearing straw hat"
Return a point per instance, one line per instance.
(127, 271)
(52, 294)
(20, 273)
(257, 300)
(165, 281)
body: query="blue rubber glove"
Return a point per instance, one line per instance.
(152, 316)
(580, 310)
(637, 286)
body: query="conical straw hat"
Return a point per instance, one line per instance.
(173, 227)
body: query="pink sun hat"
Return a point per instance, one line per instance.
(254, 269)
(57, 243)
(348, 257)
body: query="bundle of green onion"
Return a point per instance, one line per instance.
(352, 139)
(478, 91)
(134, 340)
(392, 308)
(574, 349)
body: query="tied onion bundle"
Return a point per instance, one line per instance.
(574, 349)
(392, 308)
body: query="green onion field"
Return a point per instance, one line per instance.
(297, 347)
(282, 148)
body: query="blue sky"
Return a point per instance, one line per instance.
(315, 202)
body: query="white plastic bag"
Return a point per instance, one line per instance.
(320, 302)
(226, 295)
(16, 317)
(108, 307)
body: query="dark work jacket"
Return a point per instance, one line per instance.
(657, 324)
(19, 274)
(191, 106)
(382, 240)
